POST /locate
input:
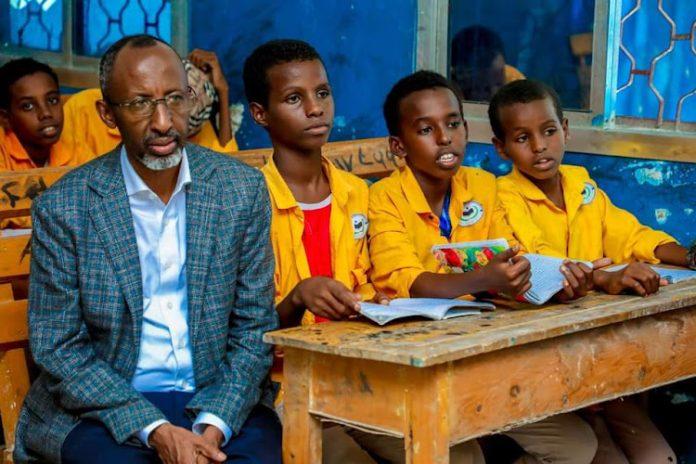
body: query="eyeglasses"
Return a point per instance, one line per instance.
(177, 102)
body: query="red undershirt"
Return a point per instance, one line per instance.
(316, 238)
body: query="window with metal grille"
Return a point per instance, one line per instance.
(636, 69)
(655, 82)
(70, 35)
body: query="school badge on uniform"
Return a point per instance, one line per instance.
(359, 226)
(471, 214)
(588, 193)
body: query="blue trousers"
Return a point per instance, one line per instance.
(258, 442)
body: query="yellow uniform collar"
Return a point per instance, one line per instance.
(416, 198)
(284, 198)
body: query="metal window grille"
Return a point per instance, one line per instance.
(667, 111)
(35, 24)
(70, 34)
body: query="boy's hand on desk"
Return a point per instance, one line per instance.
(578, 281)
(381, 298)
(507, 273)
(326, 297)
(636, 277)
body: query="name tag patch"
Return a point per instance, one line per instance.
(588, 193)
(471, 214)
(360, 225)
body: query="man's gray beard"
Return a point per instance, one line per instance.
(160, 163)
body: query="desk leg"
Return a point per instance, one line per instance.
(301, 431)
(427, 421)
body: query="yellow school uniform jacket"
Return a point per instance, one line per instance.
(348, 229)
(590, 228)
(83, 127)
(403, 228)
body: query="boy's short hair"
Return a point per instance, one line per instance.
(14, 70)
(521, 91)
(476, 47)
(420, 80)
(106, 63)
(266, 56)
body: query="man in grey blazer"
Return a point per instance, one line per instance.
(151, 287)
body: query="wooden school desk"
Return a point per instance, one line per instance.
(440, 383)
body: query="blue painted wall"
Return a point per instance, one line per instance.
(367, 46)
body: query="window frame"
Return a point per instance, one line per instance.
(81, 71)
(597, 131)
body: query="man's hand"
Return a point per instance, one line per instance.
(507, 273)
(209, 64)
(215, 437)
(176, 445)
(635, 277)
(326, 297)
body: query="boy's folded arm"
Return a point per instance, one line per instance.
(625, 238)
(672, 253)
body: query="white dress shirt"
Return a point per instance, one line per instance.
(165, 362)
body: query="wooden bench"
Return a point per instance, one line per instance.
(368, 158)
(17, 190)
(436, 384)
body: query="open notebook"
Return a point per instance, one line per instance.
(432, 308)
(546, 279)
(671, 275)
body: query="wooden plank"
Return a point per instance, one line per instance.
(427, 432)
(16, 254)
(342, 388)
(14, 385)
(423, 343)
(18, 189)
(496, 391)
(13, 322)
(364, 158)
(301, 431)
(507, 388)
(6, 293)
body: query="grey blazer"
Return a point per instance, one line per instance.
(86, 304)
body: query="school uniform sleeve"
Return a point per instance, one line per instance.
(519, 219)
(625, 238)
(395, 262)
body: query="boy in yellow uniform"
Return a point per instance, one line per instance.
(558, 210)
(319, 212)
(31, 118)
(434, 200)
(84, 128)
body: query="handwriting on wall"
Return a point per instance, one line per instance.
(15, 191)
(365, 158)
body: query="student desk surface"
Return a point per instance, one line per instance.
(438, 383)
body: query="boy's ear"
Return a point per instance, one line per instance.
(106, 114)
(396, 146)
(500, 147)
(258, 112)
(566, 131)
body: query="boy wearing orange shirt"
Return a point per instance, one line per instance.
(31, 116)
